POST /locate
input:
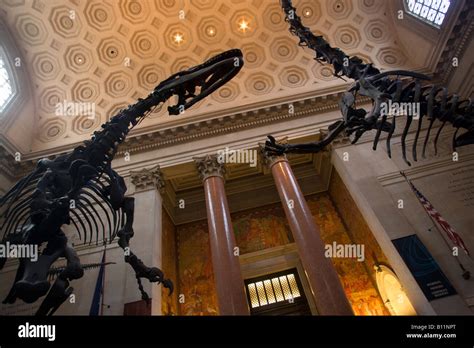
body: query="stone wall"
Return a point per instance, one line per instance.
(392, 210)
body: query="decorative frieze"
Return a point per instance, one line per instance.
(230, 123)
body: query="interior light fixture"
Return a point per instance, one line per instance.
(307, 12)
(243, 25)
(178, 38)
(211, 31)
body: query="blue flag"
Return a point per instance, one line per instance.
(95, 306)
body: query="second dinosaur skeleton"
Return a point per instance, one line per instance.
(399, 86)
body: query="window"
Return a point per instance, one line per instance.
(277, 294)
(6, 85)
(277, 289)
(431, 11)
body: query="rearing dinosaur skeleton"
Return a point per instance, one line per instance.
(382, 87)
(65, 190)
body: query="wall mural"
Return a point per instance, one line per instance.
(196, 277)
(354, 277)
(264, 228)
(261, 229)
(169, 303)
(359, 231)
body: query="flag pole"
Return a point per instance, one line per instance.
(465, 273)
(103, 281)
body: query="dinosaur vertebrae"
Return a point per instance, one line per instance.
(434, 101)
(343, 64)
(102, 148)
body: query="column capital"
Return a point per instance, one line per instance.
(269, 159)
(148, 178)
(208, 166)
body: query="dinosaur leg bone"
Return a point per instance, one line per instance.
(60, 291)
(33, 275)
(153, 274)
(127, 205)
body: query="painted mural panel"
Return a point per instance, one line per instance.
(354, 277)
(261, 229)
(196, 277)
(357, 228)
(169, 304)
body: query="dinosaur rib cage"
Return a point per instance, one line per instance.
(85, 215)
(94, 193)
(18, 205)
(435, 102)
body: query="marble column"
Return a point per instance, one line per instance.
(326, 287)
(225, 256)
(147, 241)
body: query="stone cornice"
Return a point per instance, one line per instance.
(341, 140)
(193, 131)
(232, 123)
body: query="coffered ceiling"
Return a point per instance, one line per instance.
(113, 52)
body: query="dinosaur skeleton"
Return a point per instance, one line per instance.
(397, 86)
(72, 188)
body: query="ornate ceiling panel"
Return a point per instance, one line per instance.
(112, 52)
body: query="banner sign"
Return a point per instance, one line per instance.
(424, 268)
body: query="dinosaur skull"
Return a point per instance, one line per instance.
(198, 82)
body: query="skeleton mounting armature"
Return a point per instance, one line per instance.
(395, 86)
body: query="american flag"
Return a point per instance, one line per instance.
(445, 226)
